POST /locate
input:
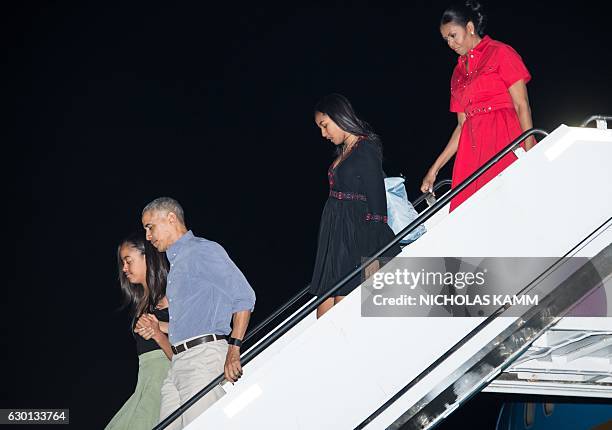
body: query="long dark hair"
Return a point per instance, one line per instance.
(340, 110)
(139, 299)
(462, 13)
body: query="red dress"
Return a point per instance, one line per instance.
(491, 121)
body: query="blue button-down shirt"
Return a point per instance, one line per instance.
(204, 289)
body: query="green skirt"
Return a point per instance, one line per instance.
(141, 410)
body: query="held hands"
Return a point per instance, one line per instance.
(233, 368)
(147, 326)
(428, 182)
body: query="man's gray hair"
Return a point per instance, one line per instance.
(166, 204)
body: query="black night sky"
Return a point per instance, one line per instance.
(211, 103)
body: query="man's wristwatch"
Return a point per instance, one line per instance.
(234, 341)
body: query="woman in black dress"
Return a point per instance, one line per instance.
(354, 219)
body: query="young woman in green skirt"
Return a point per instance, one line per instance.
(142, 276)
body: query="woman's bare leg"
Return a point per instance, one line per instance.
(328, 304)
(325, 306)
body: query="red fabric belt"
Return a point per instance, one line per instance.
(479, 110)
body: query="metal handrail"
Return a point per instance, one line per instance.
(289, 324)
(595, 118)
(499, 311)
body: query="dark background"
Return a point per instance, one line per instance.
(118, 104)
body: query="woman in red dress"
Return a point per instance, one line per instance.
(489, 95)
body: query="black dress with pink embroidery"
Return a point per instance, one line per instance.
(354, 220)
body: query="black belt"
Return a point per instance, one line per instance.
(197, 341)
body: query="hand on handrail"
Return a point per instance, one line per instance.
(428, 183)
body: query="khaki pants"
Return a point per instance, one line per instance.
(189, 372)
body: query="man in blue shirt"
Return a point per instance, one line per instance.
(205, 291)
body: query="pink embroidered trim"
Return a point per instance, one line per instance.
(347, 196)
(376, 218)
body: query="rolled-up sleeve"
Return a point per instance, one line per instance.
(243, 296)
(235, 285)
(511, 66)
